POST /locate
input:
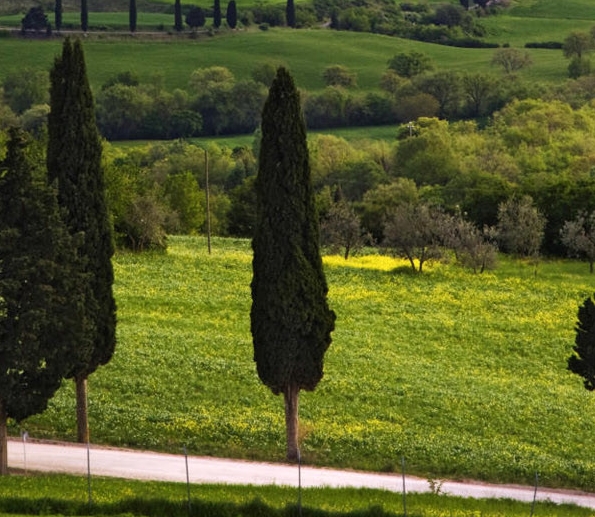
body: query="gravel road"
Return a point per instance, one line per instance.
(130, 464)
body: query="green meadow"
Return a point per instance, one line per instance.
(306, 52)
(66, 495)
(464, 375)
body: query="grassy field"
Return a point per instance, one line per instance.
(465, 375)
(306, 52)
(65, 495)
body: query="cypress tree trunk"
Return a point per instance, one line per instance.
(291, 397)
(3, 440)
(82, 418)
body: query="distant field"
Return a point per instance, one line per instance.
(465, 375)
(306, 52)
(566, 9)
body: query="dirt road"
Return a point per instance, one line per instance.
(123, 463)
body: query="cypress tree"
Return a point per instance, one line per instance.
(217, 14)
(74, 161)
(58, 15)
(582, 361)
(132, 15)
(231, 16)
(84, 16)
(40, 294)
(291, 322)
(178, 25)
(290, 13)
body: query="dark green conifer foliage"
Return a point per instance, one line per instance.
(217, 14)
(290, 13)
(132, 15)
(231, 15)
(74, 160)
(58, 15)
(582, 362)
(84, 16)
(178, 25)
(40, 296)
(291, 322)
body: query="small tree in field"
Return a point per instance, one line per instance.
(511, 59)
(195, 18)
(291, 322)
(520, 227)
(416, 232)
(582, 361)
(578, 236)
(341, 228)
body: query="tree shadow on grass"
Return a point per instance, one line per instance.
(146, 507)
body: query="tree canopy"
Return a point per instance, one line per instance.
(291, 322)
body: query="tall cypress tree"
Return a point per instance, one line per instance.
(178, 24)
(132, 15)
(74, 160)
(231, 15)
(40, 290)
(291, 322)
(84, 16)
(582, 361)
(217, 14)
(290, 13)
(58, 15)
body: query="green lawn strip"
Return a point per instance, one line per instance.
(464, 375)
(67, 495)
(306, 52)
(569, 9)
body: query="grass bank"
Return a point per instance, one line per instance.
(65, 495)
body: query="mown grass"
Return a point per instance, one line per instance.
(66, 495)
(306, 52)
(113, 20)
(465, 375)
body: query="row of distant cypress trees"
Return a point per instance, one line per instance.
(231, 15)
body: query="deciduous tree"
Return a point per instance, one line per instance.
(196, 17)
(291, 322)
(74, 161)
(511, 59)
(416, 232)
(520, 227)
(578, 236)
